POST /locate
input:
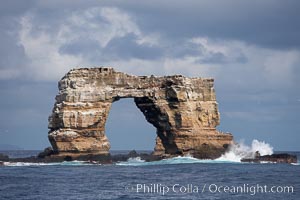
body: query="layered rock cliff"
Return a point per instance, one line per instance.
(183, 110)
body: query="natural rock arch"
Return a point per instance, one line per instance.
(183, 110)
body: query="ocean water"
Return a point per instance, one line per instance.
(176, 178)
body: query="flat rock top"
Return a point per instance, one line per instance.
(107, 76)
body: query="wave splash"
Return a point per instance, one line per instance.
(65, 163)
(236, 152)
(240, 150)
(175, 160)
(234, 155)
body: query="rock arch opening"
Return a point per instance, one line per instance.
(127, 129)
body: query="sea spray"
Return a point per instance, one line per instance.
(187, 159)
(239, 150)
(262, 147)
(234, 155)
(236, 152)
(64, 163)
(175, 160)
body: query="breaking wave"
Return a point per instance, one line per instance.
(175, 160)
(188, 159)
(238, 151)
(234, 155)
(65, 163)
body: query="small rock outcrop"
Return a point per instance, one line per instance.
(47, 152)
(183, 110)
(274, 158)
(3, 157)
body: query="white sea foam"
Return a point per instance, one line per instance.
(20, 164)
(240, 150)
(168, 161)
(234, 155)
(132, 162)
(24, 164)
(176, 160)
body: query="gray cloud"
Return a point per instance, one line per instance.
(250, 48)
(82, 46)
(220, 58)
(272, 24)
(12, 54)
(14, 8)
(126, 48)
(120, 48)
(25, 107)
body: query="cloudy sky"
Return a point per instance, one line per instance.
(251, 48)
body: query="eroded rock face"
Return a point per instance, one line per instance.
(183, 110)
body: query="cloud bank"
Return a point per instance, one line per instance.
(252, 49)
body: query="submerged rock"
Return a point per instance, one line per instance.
(89, 158)
(133, 154)
(276, 158)
(47, 152)
(111, 159)
(4, 157)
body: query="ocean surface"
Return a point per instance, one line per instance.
(176, 178)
